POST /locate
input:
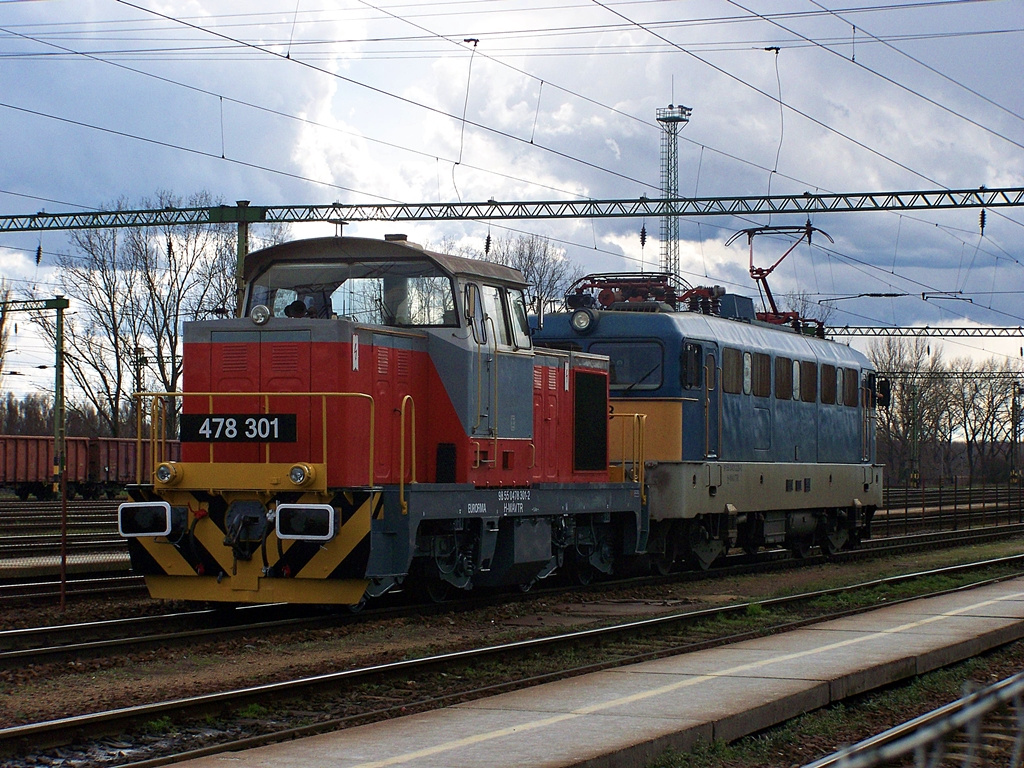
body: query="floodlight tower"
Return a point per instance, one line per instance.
(672, 120)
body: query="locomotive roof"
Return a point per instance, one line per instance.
(333, 249)
(698, 326)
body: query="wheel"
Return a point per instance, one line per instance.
(437, 591)
(662, 565)
(357, 607)
(582, 573)
(801, 548)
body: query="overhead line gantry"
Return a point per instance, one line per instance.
(806, 203)
(951, 332)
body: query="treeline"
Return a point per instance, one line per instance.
(33, 415)
(954, 420)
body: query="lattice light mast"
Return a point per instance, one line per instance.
(672, 120)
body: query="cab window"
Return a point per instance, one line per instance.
(520, 324)
(496, 314)
(407, 293)
(691, 367)
(632, 365)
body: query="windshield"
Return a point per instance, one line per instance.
(631, 365)
(407, 293)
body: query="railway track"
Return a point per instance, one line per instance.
(356, 695)
(42, 645)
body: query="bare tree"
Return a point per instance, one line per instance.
(805, 306)
(982, 411)
(31, 415)
(130, 292)
(184, 272)
(545, 266)
(916, 421)
(103, 324)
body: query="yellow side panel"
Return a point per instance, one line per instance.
(663, 430)
(225, 476)
(206, 588)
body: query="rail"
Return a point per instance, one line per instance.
(158, 433)
(926, 739)
(637, 450)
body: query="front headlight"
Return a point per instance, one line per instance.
(168, 474)
(260, 314)
(583, 320)
(301, 474)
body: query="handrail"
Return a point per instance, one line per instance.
(638, 447)
(401, 452)
(158, 437)
(494, 397)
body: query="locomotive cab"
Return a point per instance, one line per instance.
(378, 418)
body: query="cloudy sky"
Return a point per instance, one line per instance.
(314, 101)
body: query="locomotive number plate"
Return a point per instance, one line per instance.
(238, 428)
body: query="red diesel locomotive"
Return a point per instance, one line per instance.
(379, 417)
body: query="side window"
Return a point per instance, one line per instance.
(761, 384)
(496, 316)
(747, 373)
(732, 371)
(520, 325)
(808, 382)
(828, 384)
(783, 378)
(851, 386)
(474, 311)
(691, 369)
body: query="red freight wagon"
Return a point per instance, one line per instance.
(94, 465)
(26, 464)
(113, 462)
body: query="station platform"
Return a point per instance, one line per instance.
(630, 715)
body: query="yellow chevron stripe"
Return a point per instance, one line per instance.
(334, 552)
(166, 556)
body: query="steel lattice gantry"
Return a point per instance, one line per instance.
(806, 203)
(952, 332)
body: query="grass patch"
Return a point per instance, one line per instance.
(253, 711)
(160, 725)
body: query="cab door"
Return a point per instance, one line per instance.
(712, 402)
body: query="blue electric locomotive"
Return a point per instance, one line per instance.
(757, 434)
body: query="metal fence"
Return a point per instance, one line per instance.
(981, 730)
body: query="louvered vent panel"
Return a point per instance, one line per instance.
(284, 358)
(402, 364)
(234, 358)
(382, 362)
(538, 378)
(552, 377)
